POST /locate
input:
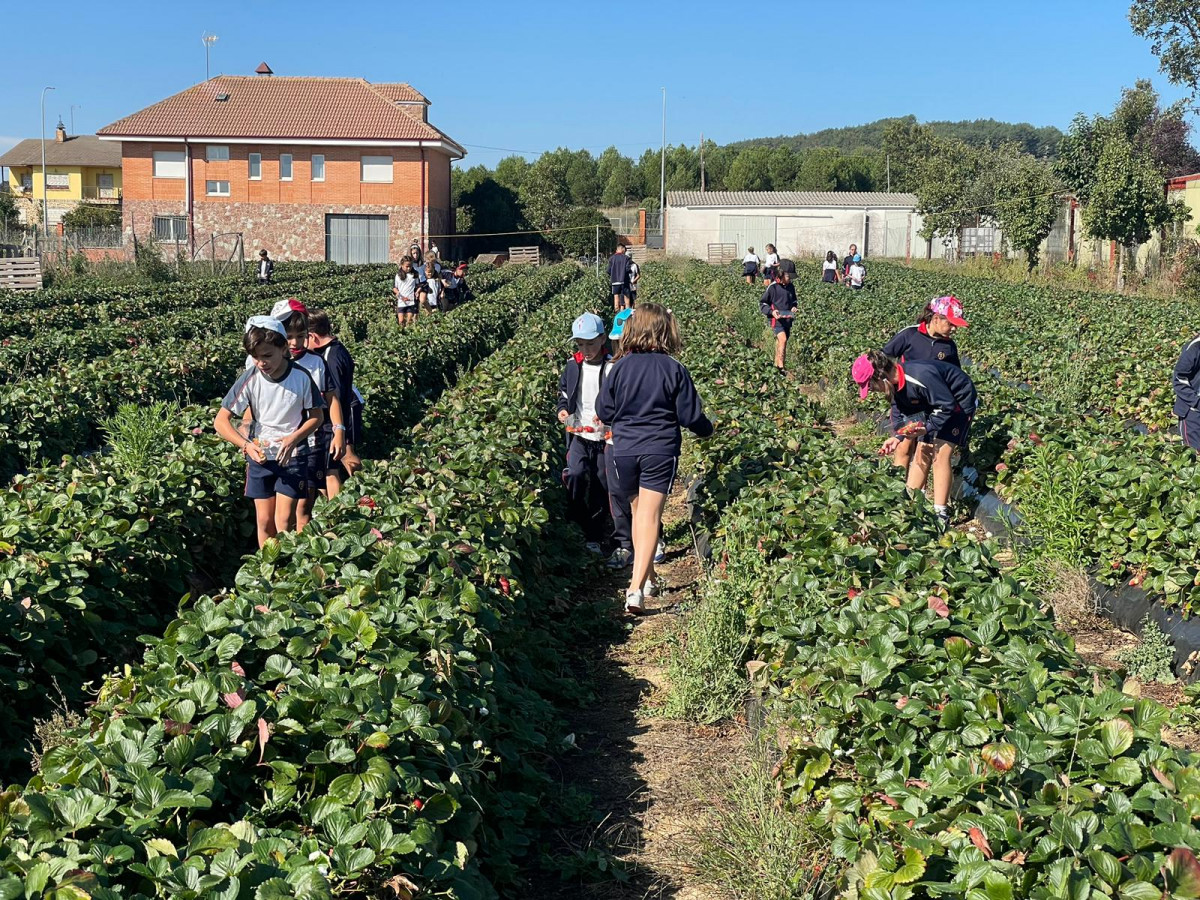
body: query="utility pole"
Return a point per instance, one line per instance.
(889, 172)
(45, 201)
(74, 106)
(702, 162)
(208, 39)
(662, 175)
(597, 251)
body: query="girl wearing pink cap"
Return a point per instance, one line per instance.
(936, 402)
(932, 338)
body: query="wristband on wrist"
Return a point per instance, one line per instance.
(339, 427)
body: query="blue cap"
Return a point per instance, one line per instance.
(619, 323)
(857, 258)
(587, 326)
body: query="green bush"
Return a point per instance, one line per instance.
(578, 239)
(150, 262)
(1151, 659)
(84, 216)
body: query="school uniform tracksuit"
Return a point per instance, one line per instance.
(940, 395)
(778, 304)
(585, 476)
(1186, 382)
(916, 344)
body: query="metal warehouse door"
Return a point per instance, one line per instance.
(356, 239)
(748, 231)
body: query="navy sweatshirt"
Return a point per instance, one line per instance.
(1186, 380)
(779, 299)
(645, 399)
(934, 389)
(914, 344)
(571, 378)
(618, 268)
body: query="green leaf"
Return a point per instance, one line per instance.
(1106, 866)
(11, 887)
(439, 808)
(1140, 890)
(1124, 770)
(872, 672)
(274, 889)
(345, 788)
(913, 868)
(974, 734)
(1117, 736)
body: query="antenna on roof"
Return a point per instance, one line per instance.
(208, 39)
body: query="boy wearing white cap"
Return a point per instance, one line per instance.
(578, 387)
(287, 408)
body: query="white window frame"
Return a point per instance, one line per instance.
(170, 164)
(208, 189)
(376, 165)
(290, 164)
(254, 161)
(170, 228)
(315, 158)
(216, 153)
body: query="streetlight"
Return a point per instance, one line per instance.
(45, 202)
(74, 106)
(208, 39)
(662, 175)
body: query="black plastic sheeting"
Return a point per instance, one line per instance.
(1125, 606)
(700, 535)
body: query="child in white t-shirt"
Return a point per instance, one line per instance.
(858, 272)
(432, 286)
(750, 265)
(405, 288)
(287, 408)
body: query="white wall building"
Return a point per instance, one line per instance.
(798, 223)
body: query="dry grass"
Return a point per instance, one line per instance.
(52, 732)
(1071, 597)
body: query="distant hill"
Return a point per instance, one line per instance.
(1041, 142)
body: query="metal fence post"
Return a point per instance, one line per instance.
(597, 251)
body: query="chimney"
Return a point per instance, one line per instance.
(60, 133)
(263, 69)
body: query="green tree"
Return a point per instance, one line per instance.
(578, 237)
(783, 167)
(1173, 28)
(1027, 199)
(582, 180)
(1127, 201)
(545, 192)
(750, 171)
(817, 170)
(8, 210)
(511, 172)
(621, 184)
(488, 208)
(683, 168)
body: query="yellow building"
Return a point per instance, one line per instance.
(79, 169)
(1187, 189)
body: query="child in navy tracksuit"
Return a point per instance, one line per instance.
(936, 401)
(932, 338)
(1186, 383)
(778, 304)
(578, 386)
(645, 399)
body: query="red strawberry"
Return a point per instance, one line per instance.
(505, 588)
(417, 804)
(368, 502)
(852, 593)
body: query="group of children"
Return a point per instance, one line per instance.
(932, 399)
(852, 272)
(301, 416)
(623, 406)
(426, 283)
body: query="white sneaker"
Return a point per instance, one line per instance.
(620, 559)
(593, 547)
(634, 604)
(660, 552)
(648, 589)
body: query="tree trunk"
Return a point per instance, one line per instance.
(1120, 268)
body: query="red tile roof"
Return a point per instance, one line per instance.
(272, 106)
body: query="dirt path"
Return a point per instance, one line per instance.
(644, 773)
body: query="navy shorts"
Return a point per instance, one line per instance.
(782, 326)
(750, 269)
(318, 458)
(265, 480)
(955, 431)
(619, 289)
(1189, 429)
(652, 472)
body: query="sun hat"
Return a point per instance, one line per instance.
(587, 327)
(857, 257)
(951, 308)
(862, 372)
(284, 308)
(267, 323)
(618, 326)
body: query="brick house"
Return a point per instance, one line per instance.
(308, 168)
(80, 168)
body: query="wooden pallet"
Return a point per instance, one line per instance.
(20, 273)
(722, 254)
(525, 256)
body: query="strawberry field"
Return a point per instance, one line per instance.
(374, 707)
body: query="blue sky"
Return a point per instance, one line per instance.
(589, 75)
